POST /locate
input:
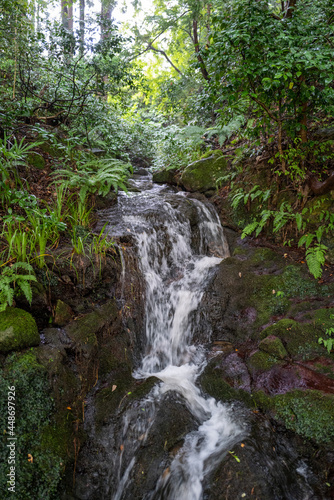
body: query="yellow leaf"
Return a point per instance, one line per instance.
(290, 85)
(30, 458)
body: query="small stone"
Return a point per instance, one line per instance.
(63, 313)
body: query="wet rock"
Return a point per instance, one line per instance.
(165, 176)
(171, 424)
(18, 330)
(267, 465)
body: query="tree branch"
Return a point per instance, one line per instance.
(165, 56)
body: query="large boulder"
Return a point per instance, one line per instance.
(18, 330)
(203, 174)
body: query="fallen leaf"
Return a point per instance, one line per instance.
(240, 275)
(114, 387)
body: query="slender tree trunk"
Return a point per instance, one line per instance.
(70, 17)
(64, 13)
(197, 50)
(67, 14)
(82, 26)
(303, 123)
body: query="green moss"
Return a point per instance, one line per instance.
(309, 413)
(322, 318)
(240, 251)
(36, 160)
(84, 329)
(300, 339)
(34, 407)
(262, 255)
(18, 330)
(274, 347)
(213, 383)
(202, 174)
(56, 437)
(216, 153)
(63, 313)
(261, 361)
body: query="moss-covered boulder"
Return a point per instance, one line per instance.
(202, 175)
(300, 339)
(261, 361)
(164, 176)
(273, 345)
(36, 160)
(309, 413)
(18, 330)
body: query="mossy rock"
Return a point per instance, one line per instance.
(261, 361)
(216, 153)
(213, 383)
(202, 174)
(83, 330)
(300, 339)
(18, 330)
(307, 412)
(36, 160)
(63, 313)
(273, 346)
(164, 176)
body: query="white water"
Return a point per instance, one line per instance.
(176, 271)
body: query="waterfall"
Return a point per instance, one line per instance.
(178, 253)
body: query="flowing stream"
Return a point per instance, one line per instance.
(170, 444)
(178, 253)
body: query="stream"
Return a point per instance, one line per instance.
(180, 242)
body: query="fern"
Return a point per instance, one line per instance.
(97, 176)
(10, 279)
(315, 258)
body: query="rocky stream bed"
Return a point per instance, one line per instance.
(73, 353)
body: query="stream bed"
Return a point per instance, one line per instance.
(169, 444)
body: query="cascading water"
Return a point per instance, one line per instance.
(177, 259)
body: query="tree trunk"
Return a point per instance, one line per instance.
(291, 4)
(303, 123)
(67, 14)
(107, 7)
(64, 13)
(197, 50)
(82, 26)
